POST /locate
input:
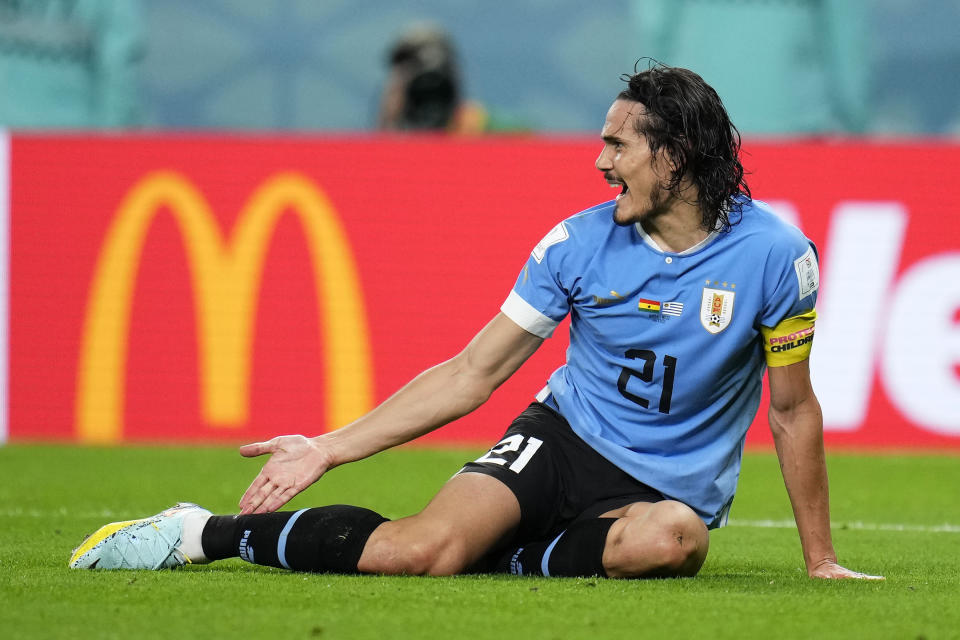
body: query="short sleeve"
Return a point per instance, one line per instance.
(791, 283)
(539, 300)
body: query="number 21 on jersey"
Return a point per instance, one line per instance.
(645, 374)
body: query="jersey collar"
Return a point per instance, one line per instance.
(697, 247)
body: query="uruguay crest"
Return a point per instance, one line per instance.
(716, 309)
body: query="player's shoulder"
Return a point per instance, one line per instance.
(579, 236)
(584, 227)
(591, 225)
(599, 215)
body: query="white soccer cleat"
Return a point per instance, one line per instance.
(147, 543)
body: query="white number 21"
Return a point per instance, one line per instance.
(511, 444)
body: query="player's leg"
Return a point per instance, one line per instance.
(639, 540)
(660, 539)
(320, 539)
(514, 486)
(608, 524)
(468, 516)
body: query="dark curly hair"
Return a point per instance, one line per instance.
(686, 119)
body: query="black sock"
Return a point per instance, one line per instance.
(577, 552)
(324, 539)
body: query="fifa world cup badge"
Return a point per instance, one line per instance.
(716, 309)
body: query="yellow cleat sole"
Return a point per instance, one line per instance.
(99, 536)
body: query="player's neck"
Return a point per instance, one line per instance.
(676, 229)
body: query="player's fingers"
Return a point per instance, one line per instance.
(252, 498)
(257, 449)
(280, 498)
(247, 505)
(255, 486)
(264, 496)
(263, 507)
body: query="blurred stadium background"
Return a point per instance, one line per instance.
(549, 65)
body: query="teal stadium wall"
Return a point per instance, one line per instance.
(545, 64)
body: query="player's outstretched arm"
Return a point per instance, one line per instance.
(437, 396)
(797, 425)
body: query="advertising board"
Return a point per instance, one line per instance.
(229, 289)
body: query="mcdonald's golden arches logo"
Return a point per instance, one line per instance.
(225, 274)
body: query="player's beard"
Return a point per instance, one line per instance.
(659, 203)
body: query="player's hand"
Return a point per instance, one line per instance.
(295, 463)
(832, 571)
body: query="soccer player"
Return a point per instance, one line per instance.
(681, 292)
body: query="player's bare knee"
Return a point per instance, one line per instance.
(668, 539)
(679, 516)
(684, 536)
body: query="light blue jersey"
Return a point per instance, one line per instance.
(666, 357)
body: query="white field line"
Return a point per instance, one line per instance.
(107, 514)
(859, 526)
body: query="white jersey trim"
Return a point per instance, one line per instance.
(653, 245)
(520, 311)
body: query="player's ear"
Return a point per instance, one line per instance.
(668, 161)
(670, 156)
(664, 165)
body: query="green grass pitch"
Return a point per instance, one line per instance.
(894, 515)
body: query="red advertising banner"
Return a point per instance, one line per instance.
(231, 289)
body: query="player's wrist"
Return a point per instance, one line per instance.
(326, 452)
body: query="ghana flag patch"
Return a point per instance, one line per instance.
(649, 306)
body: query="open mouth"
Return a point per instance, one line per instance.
(618, 184)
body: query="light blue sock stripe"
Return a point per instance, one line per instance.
(545, 562)
(282, 542)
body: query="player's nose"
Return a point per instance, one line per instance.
(604, 162)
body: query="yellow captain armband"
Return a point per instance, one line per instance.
(790, 341)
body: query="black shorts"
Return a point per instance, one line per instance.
(556, 476)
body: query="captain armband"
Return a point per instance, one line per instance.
(790, 341)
